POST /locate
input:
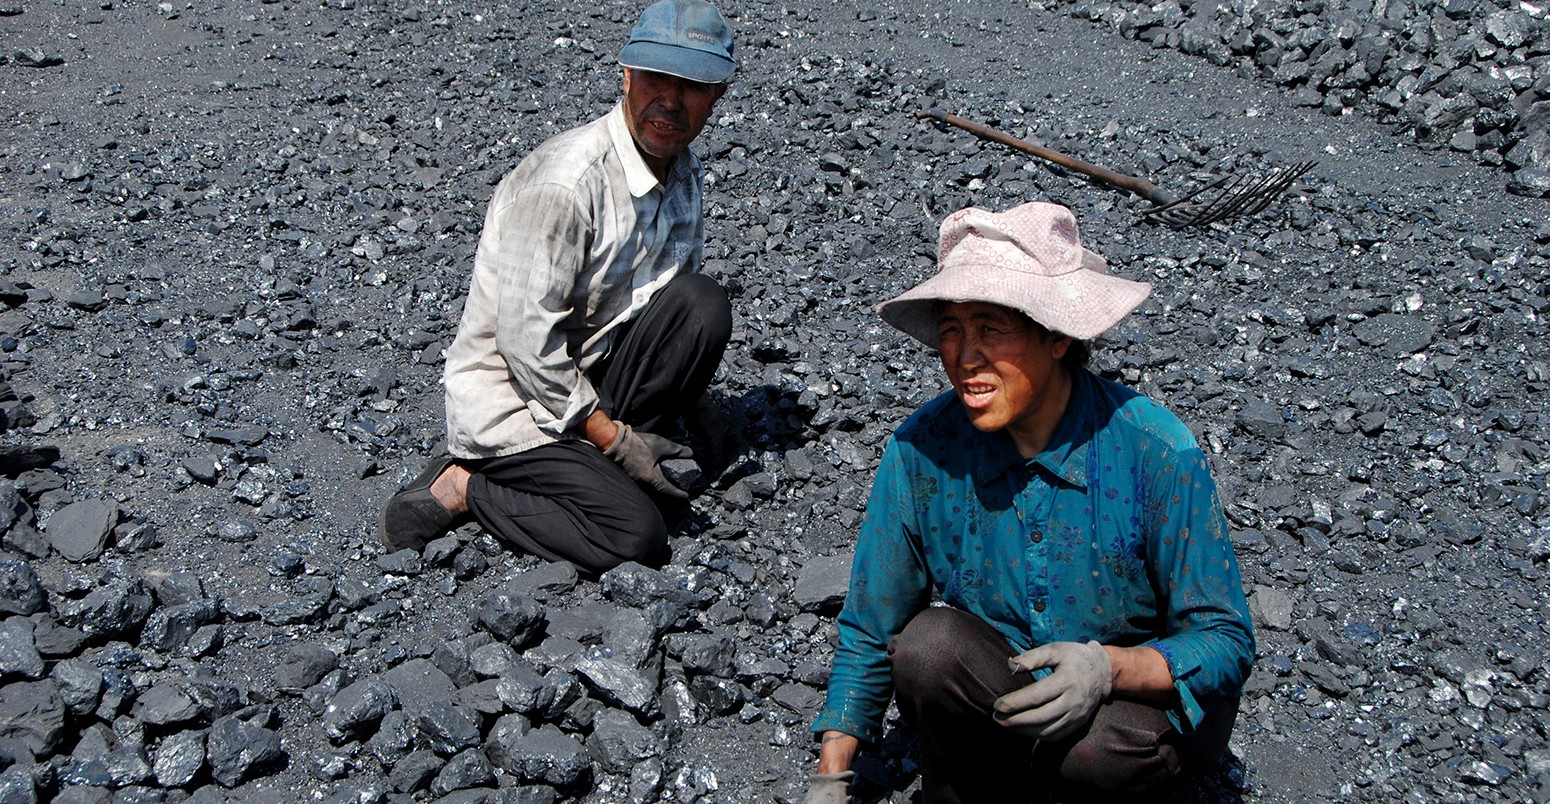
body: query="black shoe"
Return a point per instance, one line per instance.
(413, 516)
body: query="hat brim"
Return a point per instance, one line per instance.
(1083, 304)
(695, 65)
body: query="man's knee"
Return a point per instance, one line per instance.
(706, 303)
(701, 292)
(634, 532)
(645, 545)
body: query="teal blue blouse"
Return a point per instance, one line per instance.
(1114, 532)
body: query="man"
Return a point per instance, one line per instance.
(588, 329)
(1094, 639)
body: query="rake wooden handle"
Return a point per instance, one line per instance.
(1141, 187)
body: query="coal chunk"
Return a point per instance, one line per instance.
(619, 742)
(703, 654)
(18, 651)
(468, 769)
(239, 747)
(165, 705)
(308, 603)
(415, 771)
(448, 728)
(1530, 183)
(32, 714)
(13, 508)
(116, 609)
(178, 759)
(17, 784)
(20, 590)
(545, 755)
(1398, 334)
(524, 690)
(639, 586)
(393, 739)
(245, 436)
(1261, 419)
(512, 617)
(1272, 608)
(79, 531)
(37, 57)
(301, 665)
(419, 683)
(170, 629)
(357, 708)
(80, 685)
(824, 582)
(620, 682)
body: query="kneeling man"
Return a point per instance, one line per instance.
(589, 328)
(1095, 638)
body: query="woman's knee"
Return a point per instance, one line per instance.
(1127, 749)
(925, 651)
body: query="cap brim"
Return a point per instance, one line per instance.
(695, 65)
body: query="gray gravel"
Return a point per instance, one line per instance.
(234, 251)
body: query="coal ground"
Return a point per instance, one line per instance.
(236, 237)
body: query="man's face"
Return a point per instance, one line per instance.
(1002, 367)
(665, 113)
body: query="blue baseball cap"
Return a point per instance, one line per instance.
(686, 38)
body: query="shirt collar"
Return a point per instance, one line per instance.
(637, 175)
(1066, 454)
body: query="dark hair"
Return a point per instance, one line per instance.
(1077, 354)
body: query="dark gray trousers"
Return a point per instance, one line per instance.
(566, 501)
(950, 666)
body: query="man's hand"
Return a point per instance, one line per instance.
(1057, 705)
(639, 455)
(829, 788)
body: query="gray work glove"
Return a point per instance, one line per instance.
(1055, 706)
(829, 788)
(640, 456)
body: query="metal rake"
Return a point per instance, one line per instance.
(1234, 196)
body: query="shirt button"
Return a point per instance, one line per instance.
(1038, 536)
(1038, 605)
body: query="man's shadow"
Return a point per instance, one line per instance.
(765, 419)
(765, 423)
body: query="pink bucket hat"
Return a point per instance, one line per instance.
(1029, 258)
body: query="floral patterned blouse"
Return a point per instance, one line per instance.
(1114, 532)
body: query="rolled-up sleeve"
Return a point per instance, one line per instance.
(539, 259)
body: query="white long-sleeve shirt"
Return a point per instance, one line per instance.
(576, 241)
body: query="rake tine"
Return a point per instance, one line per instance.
(1174, 217)
(1230, 204)
(1178, 213)
(1225, 204)
(1292, 174)
(1236, 197)
(1265, 192)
